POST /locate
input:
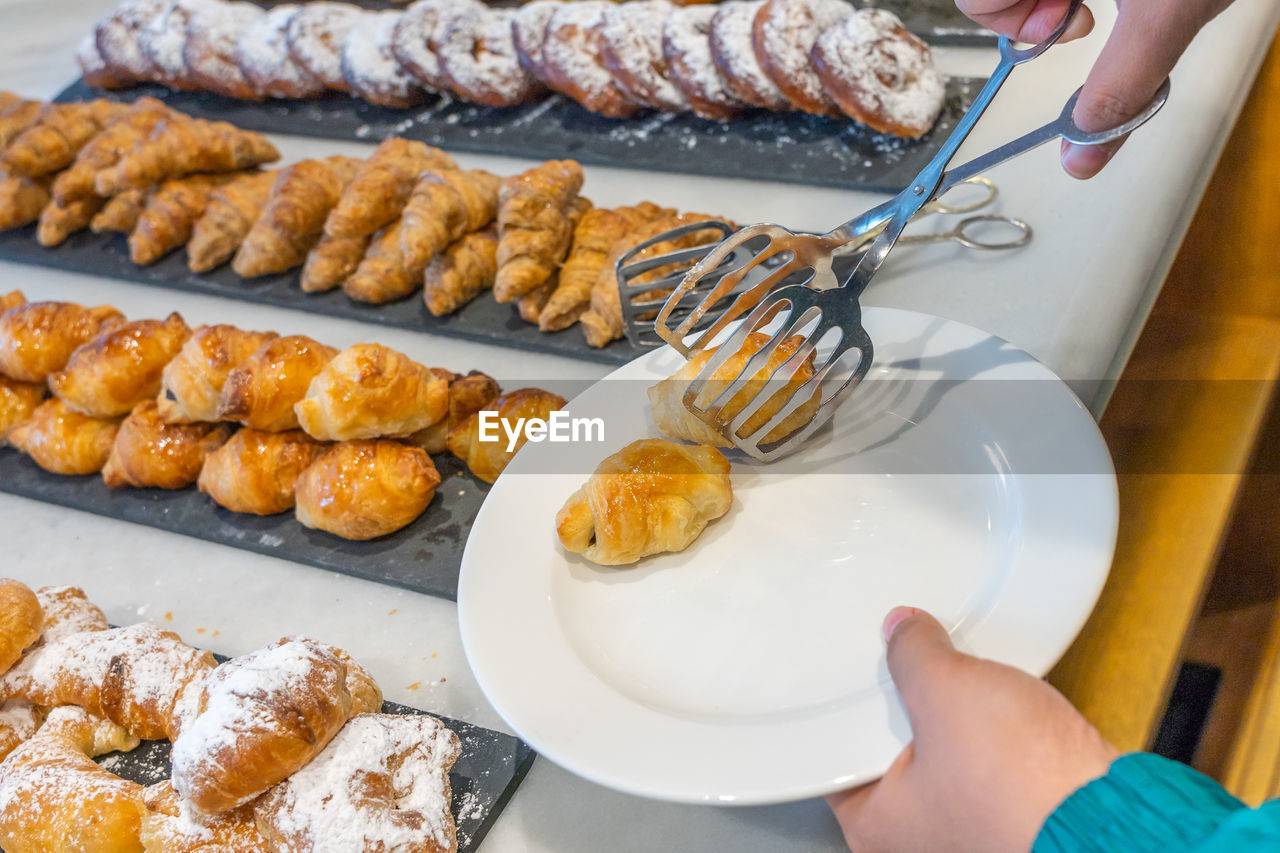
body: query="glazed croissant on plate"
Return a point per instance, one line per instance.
(652, 496)
(666, 398)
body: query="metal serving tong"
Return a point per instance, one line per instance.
(641, 302)
(805, 298)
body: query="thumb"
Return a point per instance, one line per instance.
(1140, 52)
(920, 656)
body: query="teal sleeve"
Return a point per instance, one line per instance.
(1148, 803)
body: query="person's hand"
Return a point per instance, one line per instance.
(1148, 38)
(994, 752)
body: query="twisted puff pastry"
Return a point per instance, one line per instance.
(652, 496)
(139, 677)
(260, 717)
(55, 799)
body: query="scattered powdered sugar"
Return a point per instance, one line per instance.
(88, 58)
(67, 611)
(315, 35)
(873, 54)
(736, 57)
(19, 717)
(633, 32)
(367, 60)
(789, 29)
(414, 41)
(337, 804)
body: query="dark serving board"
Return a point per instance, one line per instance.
(937, 21)
(424, 557)
(791, 147)
(482, 320)
(488, 771)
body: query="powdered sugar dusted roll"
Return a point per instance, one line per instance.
(573, 64)
(735, 56)
(371, 68)
(213, 34)
(783, 34)
(477, 56)
(315, 36)
(687, 48)
(263, 55)
(631, 46)
(164, 40)
(880, 74)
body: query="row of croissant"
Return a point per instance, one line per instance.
(282, 750)
(406, 218)
(342, 438)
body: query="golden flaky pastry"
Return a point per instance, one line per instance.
(256, 471)
(37, 338)
(488, 458)
(149, 453)
(366, 489)
(261, 717)
(667, 397)
(65, 442)
(381, 785)
(18, 401)
(119, 368)
(139, 677)
(168, 828)
(370, 391)
(467, 395)
(651, 496)
(67, 611)
(54, 798)
(21, 620)
(192, 382)
(261, 392)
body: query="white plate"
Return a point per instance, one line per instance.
(749, 668)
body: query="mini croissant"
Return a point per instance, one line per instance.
(533, 226)
(228, 215)
(181, 145)
(488, 459)
(365, 489)
(369, 391)
(191, 384)
(256, 471)
(262, 390)
(18, 401)
(149, 453)
(652, 496)
(37, 338)
(382, 185)
(63, 441)
(118, 369)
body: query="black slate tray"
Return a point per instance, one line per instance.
(424, 557)
(937, 21)
(790, 147)
(482, 320)
(488, 771)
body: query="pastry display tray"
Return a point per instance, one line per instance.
(488, 771)
(424, 556)
(791, 147)
(482, 320)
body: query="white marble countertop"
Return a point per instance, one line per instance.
(1076, 299)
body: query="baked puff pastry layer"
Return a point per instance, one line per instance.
(666, 399)
(366, 489)
(652, 496)
(372, 391)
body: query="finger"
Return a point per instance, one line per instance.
(919, 651)
(1140, 52)
(1027, 20)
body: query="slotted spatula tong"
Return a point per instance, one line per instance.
(757, 265)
